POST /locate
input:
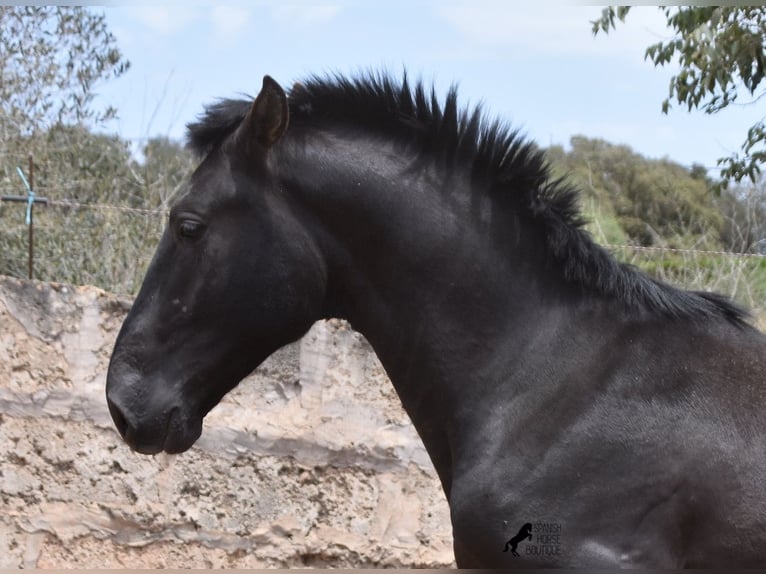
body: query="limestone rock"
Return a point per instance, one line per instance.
(310, 461)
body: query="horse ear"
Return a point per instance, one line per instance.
(267, 119)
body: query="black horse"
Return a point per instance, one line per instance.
(524, 533)
(546, 379)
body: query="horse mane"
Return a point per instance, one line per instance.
(495, 152)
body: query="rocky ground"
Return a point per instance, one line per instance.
(310, 462)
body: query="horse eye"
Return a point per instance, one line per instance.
(190, 229)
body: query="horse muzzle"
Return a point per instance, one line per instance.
(147, 416)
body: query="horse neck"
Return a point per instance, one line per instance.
(426, 271)
(407, 247)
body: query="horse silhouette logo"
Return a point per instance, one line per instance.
(525, 532)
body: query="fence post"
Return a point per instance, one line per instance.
(30, 200)
(31, 222)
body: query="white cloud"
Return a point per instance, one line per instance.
(303, 15)
(552, 27)
(230, 21)
(166, 20)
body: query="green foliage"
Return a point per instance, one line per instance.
(720, 51)
(110, 248)
(164, 170)
(93, 244)
(742, 278)
(51, 59)
(652, 202)
(744, 212)
(633, 203)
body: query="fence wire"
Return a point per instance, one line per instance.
(106, 207)
(685, 251)
(136, 245)
(70, 203)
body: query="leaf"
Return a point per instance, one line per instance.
(720, 52)
(61, 52)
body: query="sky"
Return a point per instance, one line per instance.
(536, 65)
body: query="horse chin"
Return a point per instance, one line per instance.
(173, 444)
(177, 444)
(181, 434)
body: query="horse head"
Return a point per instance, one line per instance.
(236, 276)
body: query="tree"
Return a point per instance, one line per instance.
(640, 200)
(166, 166)
(720, 50)
(744, 211)
(51, 60)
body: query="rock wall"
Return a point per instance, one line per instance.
(311, 461)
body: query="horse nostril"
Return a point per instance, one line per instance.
(119, 419)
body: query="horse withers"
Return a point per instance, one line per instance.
(620, 418)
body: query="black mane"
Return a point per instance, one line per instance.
(495, 152)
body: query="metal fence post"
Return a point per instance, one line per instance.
(30, 200)
(31, 222)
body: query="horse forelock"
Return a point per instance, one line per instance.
(219, 120)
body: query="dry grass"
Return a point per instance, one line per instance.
(741, 278)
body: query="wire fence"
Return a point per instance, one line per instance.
(67, 203)
(106, 207)
(695, 252)
(73, 241)
(742, 275)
